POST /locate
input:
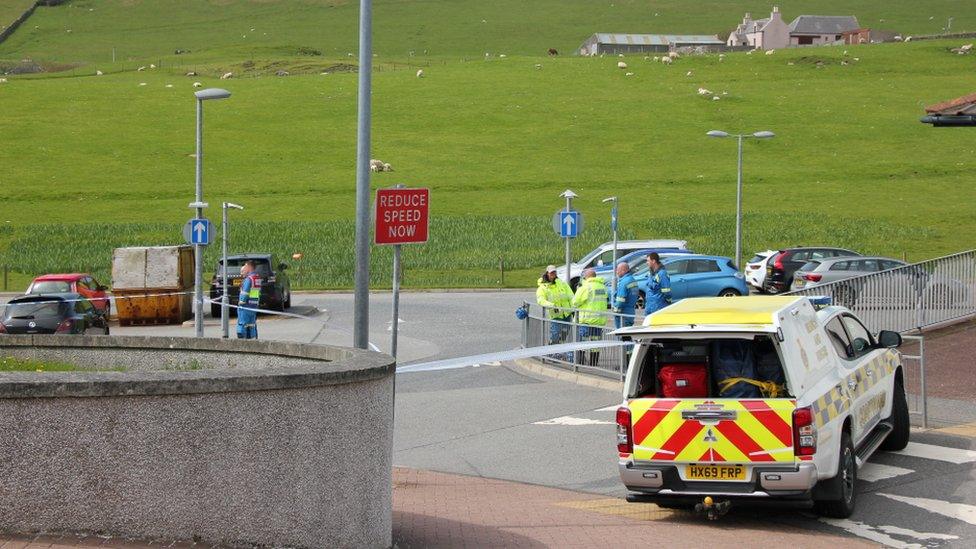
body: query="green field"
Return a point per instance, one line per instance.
(90, 163)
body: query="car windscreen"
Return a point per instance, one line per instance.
(34, 310)
(810, 266)
(262, 266)
(50, 287)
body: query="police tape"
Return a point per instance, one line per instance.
(502, 356)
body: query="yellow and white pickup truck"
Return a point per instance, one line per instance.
(757, 397)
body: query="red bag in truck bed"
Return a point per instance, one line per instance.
(683, 380)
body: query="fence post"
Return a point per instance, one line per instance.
(501, 267)
(6, 273)
(921, 379)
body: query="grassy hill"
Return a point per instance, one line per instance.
(91, 162)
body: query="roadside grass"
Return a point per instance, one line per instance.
(14, 364)
(235, 29)
(462, 252)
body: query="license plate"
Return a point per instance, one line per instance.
(235, 282)
(715, 472)
(798, 283)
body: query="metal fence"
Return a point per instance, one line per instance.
(909, 298)
(913, 361)
(539, 328)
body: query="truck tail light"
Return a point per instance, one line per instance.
(804, 432)
(625, 432)
(812, 277)
(64, 327)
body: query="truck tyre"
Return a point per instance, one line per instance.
(844, 485)
(897, 439)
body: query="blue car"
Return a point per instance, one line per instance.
(638, 258)
(698, 276)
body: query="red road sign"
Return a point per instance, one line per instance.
(402, 216)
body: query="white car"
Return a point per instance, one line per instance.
(760, 397)
(603, 255)
(755, 270)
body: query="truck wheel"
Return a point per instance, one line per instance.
(897, 439)
(844, 484)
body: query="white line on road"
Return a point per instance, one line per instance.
(873, 472)
(898, 531)
(573, 421)
(941, 453)
(959, 511)
(862, 530)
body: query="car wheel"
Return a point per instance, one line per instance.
(844, 485)
(897, 439)
(729, 292)
(845, 296)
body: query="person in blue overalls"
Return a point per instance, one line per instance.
(625, 301)
(250, 298)
(658, 294)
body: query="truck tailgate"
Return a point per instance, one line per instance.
(730, 431)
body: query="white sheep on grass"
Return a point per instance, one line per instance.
(666, 60)
(621, 65)
(420, 73)
(227, 76)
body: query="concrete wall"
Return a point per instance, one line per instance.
(225, 441)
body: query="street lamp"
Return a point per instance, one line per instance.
(613, 227)
(738, 187)
(202, 95)
(224, 316)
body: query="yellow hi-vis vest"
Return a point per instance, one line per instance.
(591, 295)
(555, 294)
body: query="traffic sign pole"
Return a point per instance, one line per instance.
(613, 227)
(570, 228)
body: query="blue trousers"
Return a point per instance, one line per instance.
(247, 324)
(559, 333)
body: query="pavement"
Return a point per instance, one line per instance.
(499, 455)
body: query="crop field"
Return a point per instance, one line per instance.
(88, 163)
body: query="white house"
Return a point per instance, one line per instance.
(767, 34)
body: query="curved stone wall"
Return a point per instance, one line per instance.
(220, 441)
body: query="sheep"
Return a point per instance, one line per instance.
(666, 60)
(140, 69)
(379, 166)
(552, 52)
(703, 91)
(197, 85)
(142, 83)
(281, 73)
(538, 66)
(169, 85)
(689, 73)
(908, 39)
(750, 52)
(656, 59)
(152, 66)
(770, 52)
(502, 56)
(387, 167)
(3, 80)
(191, 73)
(673, 54)
(420, 73)
(98, 73)
(629, 74)
(227, 76)
(621, 65)
(620, 55)
(715, 98)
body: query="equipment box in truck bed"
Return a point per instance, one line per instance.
(797, 398)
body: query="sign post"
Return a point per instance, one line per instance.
(568, 224)
(402, 217)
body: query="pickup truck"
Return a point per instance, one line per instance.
(757, 397)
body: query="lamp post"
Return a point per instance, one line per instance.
(199, 205)
(224, 309)
(738, 186)
(360, 333)
(613, 227)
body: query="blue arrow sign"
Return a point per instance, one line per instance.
(568, 224)
(197, 232)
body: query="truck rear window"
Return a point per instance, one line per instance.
(710, 368)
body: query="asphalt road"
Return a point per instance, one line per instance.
(498, 421)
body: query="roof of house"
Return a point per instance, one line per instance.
(823, 24)
(959, 106)
(656, 39)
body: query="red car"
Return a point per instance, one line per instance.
(80, 283)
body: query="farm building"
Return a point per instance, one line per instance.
(869, 36)
(614, 43)
(765, 34)
(816, 30)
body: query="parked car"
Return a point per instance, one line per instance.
(755, 270)
(824, 271)
(79, 283)
(275, 284)
(781, 266)
(695, 275)
(603, 255)
(59, 313)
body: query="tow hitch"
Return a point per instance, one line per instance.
(712, 509)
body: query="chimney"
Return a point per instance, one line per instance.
(775, 14)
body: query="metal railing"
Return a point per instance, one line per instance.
(909, 298)
(540, 328)
(914, 374)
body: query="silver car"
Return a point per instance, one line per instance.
(824, 271)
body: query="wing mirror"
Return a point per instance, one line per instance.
(889, 339)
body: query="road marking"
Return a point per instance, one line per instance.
(959, 511)
(966, 430)
(873, 472)
(612, 408)
(879, 534)
(573, 421)
(941, 453)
